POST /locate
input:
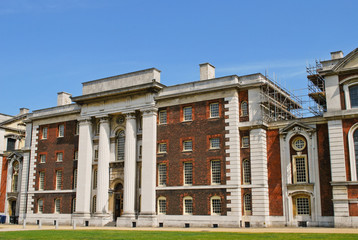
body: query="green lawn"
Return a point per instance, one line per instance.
(157, 235)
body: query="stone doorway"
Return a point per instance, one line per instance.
(118, 201)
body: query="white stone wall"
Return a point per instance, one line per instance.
(259, 176)
(233, 148)
(32, 171)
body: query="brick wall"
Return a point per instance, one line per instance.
(200, 130)
(324, 163)
(274, 173)
(49, 202)
(347, 124)
(201, 200)
(67, 145)
(3, 181)
(244, 96)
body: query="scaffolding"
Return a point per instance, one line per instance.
(278, 103)
(316, 89)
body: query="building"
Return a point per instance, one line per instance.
(231, 151)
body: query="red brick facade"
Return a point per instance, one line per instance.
(243, 97)
(51, 146)
(324, 171)
(274, 173)
(3, 184)
(199, 130)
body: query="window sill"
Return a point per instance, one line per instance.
(187, 151)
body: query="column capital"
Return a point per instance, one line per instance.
(149, 111)
(130, 115)
(84, 120)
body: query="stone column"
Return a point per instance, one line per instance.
(84, 169)
(130, 166)
(103, 166)
(149, 146)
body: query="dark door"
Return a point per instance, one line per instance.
(118, 201)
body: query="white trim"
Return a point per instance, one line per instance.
(211, 205)
(347, 97)
(184, 206)
(351, 149)
(158, 205)
(294, 170)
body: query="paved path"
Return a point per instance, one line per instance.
(11, 227)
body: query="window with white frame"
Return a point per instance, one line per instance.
(355, 141)
(162, 205)
(120, 144)
(77, 130)
(299, 143)
(187, 114)
(95, 179)
(214, 110)
(96, 154)
(188, 173)
(41, 180)
(244, 109)
(245, 142)
(246, 170)
(215, 172)
(75, 158)
(42, 158)
(75, 179)
(57, 205)
(163, 117)
(247, 204)
(73, 205)
(40, 206)
(215, 205)
(59, 157)
(44, 133)
(61, 130)
(188, 205)
(353, 94)
(94, 203)
(58, 179)
(300, 169)
(188, 145)
(162, 174)
(303, 206)
(162, 147)
(214, 143)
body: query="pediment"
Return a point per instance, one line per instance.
(348, 62)
(14, 155)
(297, 127)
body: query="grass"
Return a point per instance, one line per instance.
(158, 235)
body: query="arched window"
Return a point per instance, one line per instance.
(187, 205)
(246, 170)
(57, 205)
(15, 176)
(353, 94)
(215, 203)
(162, 205)
(120, 143)
(353, 149)
(244, 109)
(95, 173)
(73, 205)
(40, 206)
(247, 204)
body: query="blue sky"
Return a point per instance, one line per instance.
(48, 46)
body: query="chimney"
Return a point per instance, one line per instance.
(337, 55)
(63, 98)
(23, 111)
(207, 71)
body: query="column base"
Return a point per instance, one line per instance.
(147, 221)
(127, 220)
(81, 219)
(100, 219)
